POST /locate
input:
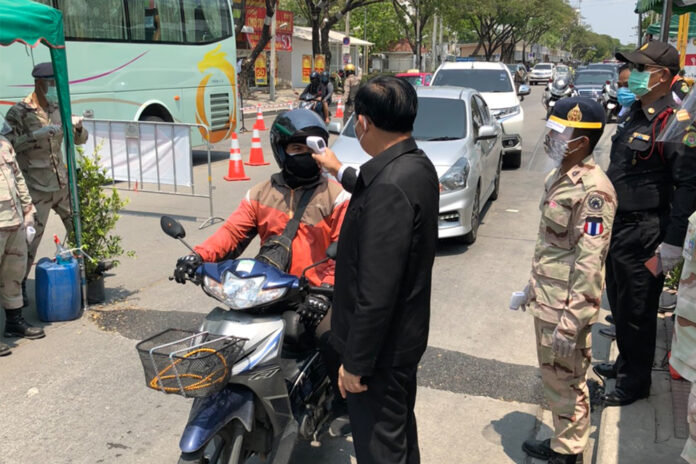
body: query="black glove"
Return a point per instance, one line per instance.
(186, 268)
(313, 310)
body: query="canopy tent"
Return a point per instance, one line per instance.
(32, 24)
(655, 28)
(678, 6)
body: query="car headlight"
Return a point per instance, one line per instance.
(456, 176)
(242, 293)
(501, 113)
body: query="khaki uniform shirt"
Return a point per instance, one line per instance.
(15, 200)
(577, 212)
(41, 160)
(350, 89)
(683, 357)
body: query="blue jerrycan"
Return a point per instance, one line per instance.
(58, 290)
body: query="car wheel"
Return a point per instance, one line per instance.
(512, 160)
(496, 182)
(475, 218)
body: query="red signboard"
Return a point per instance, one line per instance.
(284, 27)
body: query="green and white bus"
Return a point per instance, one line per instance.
(140, 60)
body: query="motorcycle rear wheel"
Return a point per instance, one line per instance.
(226, 447)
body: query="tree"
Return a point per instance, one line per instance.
(414, 16)
(248, 65)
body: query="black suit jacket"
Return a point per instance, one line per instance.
(381, 311)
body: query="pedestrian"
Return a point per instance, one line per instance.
(37, 137)
(656, 190)
(565, 288)
(624, 96)
(386, 250)
(350, 90)
(16, 216)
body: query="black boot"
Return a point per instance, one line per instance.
(542, 450)
(4, 349)
(566, 459)
(25, 298)
(16, 326)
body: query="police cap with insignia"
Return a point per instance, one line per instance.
(653, 53)
(43, 71)
(578, 113)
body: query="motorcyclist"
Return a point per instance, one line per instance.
(315, 92)
(328, 87)
(268, 206)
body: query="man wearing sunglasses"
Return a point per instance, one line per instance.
(655, 184)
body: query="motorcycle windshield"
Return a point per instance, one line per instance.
(249, 268)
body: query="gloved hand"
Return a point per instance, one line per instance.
(313, 310)
(520, 300)
(670, 256)
(186, 267)
(46, 131)
(562, 345)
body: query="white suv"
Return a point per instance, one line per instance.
(541, 73)
(494, 82)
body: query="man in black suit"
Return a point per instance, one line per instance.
(386, 248)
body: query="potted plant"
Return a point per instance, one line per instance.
(98, 213)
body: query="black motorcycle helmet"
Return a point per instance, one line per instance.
(325, 77)
(314, 78)
(294, 127)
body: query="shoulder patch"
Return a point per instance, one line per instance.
(595, 202)
(689, 139)
(594, 226)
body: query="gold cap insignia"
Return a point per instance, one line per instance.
(575, 114)
(644, 46)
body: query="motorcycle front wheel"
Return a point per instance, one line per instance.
(226, 447)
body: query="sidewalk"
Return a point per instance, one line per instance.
(284, 98)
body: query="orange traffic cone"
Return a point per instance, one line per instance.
(236, 168)
(339, 109)
(256, 154)
(291, 106)
(259, 124)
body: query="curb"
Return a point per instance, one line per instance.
(607, 444)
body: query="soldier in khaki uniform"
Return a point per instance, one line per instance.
(350, 90)
(37, 137)
(16, 214)
(565, 288)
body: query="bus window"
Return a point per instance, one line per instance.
(155, 20)
(105, 21)
(206, 21)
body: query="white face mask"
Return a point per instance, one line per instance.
(364, 126)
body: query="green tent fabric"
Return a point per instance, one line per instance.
(655, 28)
(30, 23)
(678, 6)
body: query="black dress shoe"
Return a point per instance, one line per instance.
(566, 459)
(606, 370)
(18, 327)
(620, 398)
(609, 332)
(610, 319)
(541, 449)
(25, 298)
(4, 349)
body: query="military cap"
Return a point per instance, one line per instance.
(653, 53)
(43, 71)
(578, 113)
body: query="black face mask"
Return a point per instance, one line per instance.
(302, 168)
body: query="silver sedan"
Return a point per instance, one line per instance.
(463, 140)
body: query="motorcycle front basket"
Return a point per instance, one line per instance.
(188, 363)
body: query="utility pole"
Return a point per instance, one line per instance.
(345, 49)
(433, 64)
(440, 51)
(272, 67)
(666, 20)
(418, 38)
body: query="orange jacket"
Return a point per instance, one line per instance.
(266, 210)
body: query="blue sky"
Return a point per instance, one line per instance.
(612, 17)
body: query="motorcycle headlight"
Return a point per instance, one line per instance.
(242, 293)
(455, 177)
(559, 84)
(506, 112)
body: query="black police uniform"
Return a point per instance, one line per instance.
(656, 190)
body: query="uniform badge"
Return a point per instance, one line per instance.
(574, 114)
(690, 139)
(594, 226)
(596, 202)
(685, 87)
(683, 115)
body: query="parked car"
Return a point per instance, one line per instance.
(591, 82)
(456, 130)
(563, 72)
(541, 72)
(416, 78)
(494, 82)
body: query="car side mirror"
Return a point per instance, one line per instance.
(335, 127)
(524, 90)
(487, 132)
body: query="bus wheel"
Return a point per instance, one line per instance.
(152, 119)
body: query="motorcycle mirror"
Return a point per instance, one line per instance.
(172, 227)
(608, 82)
(332, 250)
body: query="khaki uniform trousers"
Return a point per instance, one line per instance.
(565, 388)
(13, 263)
(44, 202)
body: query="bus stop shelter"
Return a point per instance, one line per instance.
(34, 24)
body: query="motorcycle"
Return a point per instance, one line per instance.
(610, 100)
(558, 88)
(258, 397)
(312, 102)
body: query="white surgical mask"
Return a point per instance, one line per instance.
(557, 149)
(364, 126)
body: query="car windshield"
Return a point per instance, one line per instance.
(512, 67)
(561, 69)
(592, 77)
(450, 123)
(542, 67)
(413, 80)
(483, 80)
